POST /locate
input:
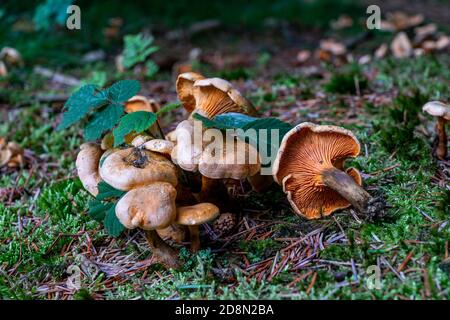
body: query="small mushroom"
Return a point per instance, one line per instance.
(87, 164)
(185, 86)
(442, 112)
(3, 69)
(141, 103)
(214, 96)
(161, 146)
(193, 216)
(309, 166)
(150, 208)
(130, 168)
(11, 56)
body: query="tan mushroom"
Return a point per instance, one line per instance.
(161, 146)
(141, 103)
(309, 166)
(193, 216)
(150, 208)
(87, 164)
(214, 96)
(442, 112)
(236, 160)
(185, 86)
(131, 168)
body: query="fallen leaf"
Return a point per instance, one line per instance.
(401, 46)
(442, 42)
(342, 22)
(397, 21)
(381, 51)
(303, 56)
(424, 32)
(333, 47)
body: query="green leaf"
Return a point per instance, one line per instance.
(111, 223)
(123, 90)
(136, 49)
(105, 191)
(98, 209)
(169, 107)
(244, 122)
(102, 121)
(152, 69)
(136, 121)
(80, 103)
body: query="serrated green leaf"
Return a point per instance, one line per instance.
(169, 107)
(105, 191)
(136, 121)
(98, 209)
(111, 223)
(103, 120)
(123, 90)
(80, 103)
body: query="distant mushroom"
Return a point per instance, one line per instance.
(87, 166)
(193, 216)
(442, 112)
(130, 168)
(309, 166)
(150, 208)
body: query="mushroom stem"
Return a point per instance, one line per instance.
(214, 191)
(162, 252)
(194, 234)
(441, 150)
(344, 184)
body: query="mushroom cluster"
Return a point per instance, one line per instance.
(155, 172)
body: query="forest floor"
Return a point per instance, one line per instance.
(271, 253)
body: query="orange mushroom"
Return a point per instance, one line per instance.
(309, 166)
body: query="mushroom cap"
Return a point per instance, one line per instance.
(87, 166)
(239, 162)
(150, 207)
(185, 85)
(305, 152)
(130, 168)
(160, 146)
(215, 96)
(437, 109)
(140, 140)
(187, 152)
(140, 103)
(197, 214)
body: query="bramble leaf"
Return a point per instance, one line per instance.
(102, 121)
(137, 121)
(80, 103)
(111, 223)
(98, 209)
(105, 191)
(123, 90)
